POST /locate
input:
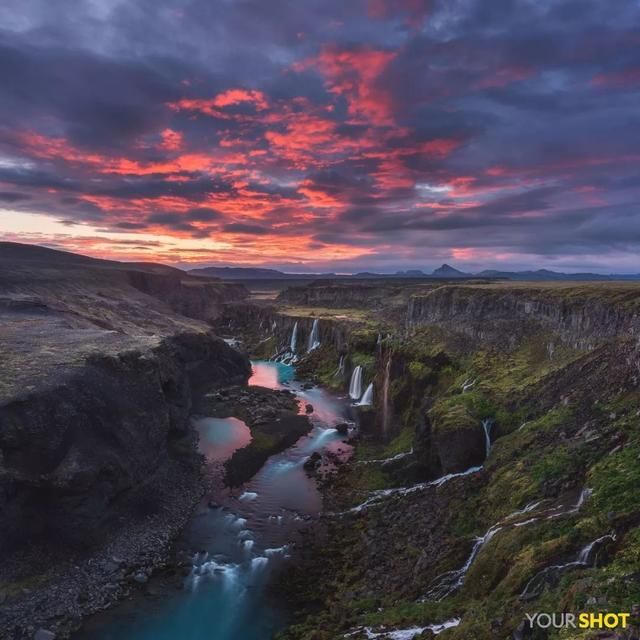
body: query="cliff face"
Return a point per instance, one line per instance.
(77, 448)
(267, 330)
(190, 296)
(101, 362)
(579, 315)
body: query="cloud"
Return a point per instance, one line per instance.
(372, 132)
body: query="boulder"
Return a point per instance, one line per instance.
(140, 577)
(313, 461)
(342, 428)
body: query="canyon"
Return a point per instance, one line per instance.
(494, 469)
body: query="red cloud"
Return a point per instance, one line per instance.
(215, 106)
(305, 139)
(354, 74)
(59, 148)
(171, 140)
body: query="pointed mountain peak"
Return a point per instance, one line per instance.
(447, 271)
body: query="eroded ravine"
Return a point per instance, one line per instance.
(238, 537)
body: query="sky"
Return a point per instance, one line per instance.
(315, 135)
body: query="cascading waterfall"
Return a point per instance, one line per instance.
(383, 461)
(367, 397)
(355, 385)
(451, 581)
(340, 369)
(445, 584)
(314, 337)
(385, 394)
(585, 558)
(294, 338)
(487, 423)
(376, 497)
(467, 384)
(406, 634)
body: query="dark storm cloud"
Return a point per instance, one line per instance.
(100, 102)
(250, 229)
(13, 196)
(202, 214)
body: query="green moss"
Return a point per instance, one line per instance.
(365, 360)
(405, 613)
(265, 349)
(372, 450)
(364, 339)
(453, 417)
(419, 370)
(616, 481)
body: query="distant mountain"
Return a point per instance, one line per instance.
(244, 273)
(544, 275)
(447, 271)
(411, 273)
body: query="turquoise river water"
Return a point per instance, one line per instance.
(235, 547)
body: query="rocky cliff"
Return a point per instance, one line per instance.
(580, 315)
(101, 364)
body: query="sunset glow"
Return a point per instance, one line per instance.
(324, 135)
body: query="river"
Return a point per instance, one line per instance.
(236, 544)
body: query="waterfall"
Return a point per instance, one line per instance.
(258, 563)
(536, 585)
(340, 369)
(385, 394)
(451, 581)
(378, 496)
(355, 385)
(586, 555)
(445, 584)
(466, 385)
(367, 397)
(314, 337)
(384, 461)
(406, 634)
(294, 338)
(487, 423)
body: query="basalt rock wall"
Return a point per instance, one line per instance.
(72, 451)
